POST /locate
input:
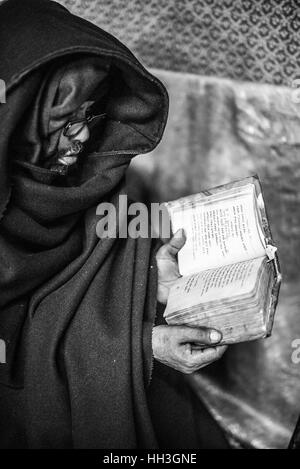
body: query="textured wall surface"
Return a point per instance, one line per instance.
(243, 39)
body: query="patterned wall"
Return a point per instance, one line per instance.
(257, 40)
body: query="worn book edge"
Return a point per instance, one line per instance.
(271, 249)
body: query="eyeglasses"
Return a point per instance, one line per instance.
(73, 128)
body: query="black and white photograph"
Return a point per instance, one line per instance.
(149, 228)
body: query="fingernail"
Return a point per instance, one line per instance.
(215, 337)
(179, 233)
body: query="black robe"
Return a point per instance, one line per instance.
(77, 311)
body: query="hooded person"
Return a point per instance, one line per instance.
(77, 311)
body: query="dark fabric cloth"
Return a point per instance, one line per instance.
(180, 419)
(76, 311)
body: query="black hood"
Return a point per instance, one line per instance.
(76, 311)
(62, 289)
(37, 35)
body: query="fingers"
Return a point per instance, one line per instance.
(178, 240)
(197, 359)
(207, 355)
(173, 346)
(197, 335)
(171, 248)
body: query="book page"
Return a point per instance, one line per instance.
(213, 285)
(220, 230)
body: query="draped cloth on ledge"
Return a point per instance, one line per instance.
(77, 311)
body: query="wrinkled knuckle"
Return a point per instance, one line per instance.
(173, 243)
(189, 365)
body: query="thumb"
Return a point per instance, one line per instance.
(171, 248)
(198, 335)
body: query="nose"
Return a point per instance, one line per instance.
(84, 134)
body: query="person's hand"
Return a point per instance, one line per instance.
(180, 347)
(167, 265)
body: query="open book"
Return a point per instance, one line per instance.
(229, 264)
